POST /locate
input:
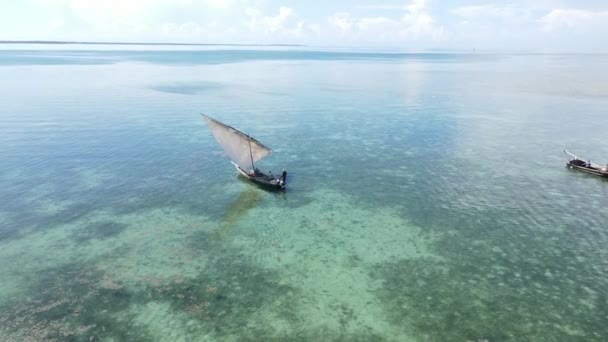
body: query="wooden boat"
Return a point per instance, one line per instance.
(244, 151)
(577, 163)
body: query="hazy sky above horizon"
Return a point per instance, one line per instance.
(543, 25)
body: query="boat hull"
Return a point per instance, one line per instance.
(579, 164)
(262, 179)
(589, 170)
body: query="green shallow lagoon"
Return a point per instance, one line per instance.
(427, 200)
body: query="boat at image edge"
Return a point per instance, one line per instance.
(577, 163)
(244, 151)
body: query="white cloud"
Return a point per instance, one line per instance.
(107, 13)
(253, 16)
(375, 23)
(341, 21)
(415, 23)
(418, 22)
(493, 25)
(382, 7)
(573, 19)
(284, 27)
(276, 23)
(497, 26)
(268, 24)
(499, 16)
(145, 20)
(485, 11)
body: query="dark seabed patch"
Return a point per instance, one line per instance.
(74, 302)
(487, 289)
(98, 230)
(188, 88)
(83, 302)
(319, 335)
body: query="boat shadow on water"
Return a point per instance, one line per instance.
(248, 199)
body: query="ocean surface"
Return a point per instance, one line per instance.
(427, 196)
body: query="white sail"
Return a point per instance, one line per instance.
(241, 148)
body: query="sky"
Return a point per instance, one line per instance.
(536, 26)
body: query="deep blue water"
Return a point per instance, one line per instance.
(428, 198)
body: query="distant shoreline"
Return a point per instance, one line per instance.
(61, 42)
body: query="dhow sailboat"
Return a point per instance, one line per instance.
(577, 163)
(244, 151)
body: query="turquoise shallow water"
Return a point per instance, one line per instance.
(427, 197)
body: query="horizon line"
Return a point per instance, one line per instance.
(68, 42)
(392, 49)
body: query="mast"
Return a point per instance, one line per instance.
(251, 153)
